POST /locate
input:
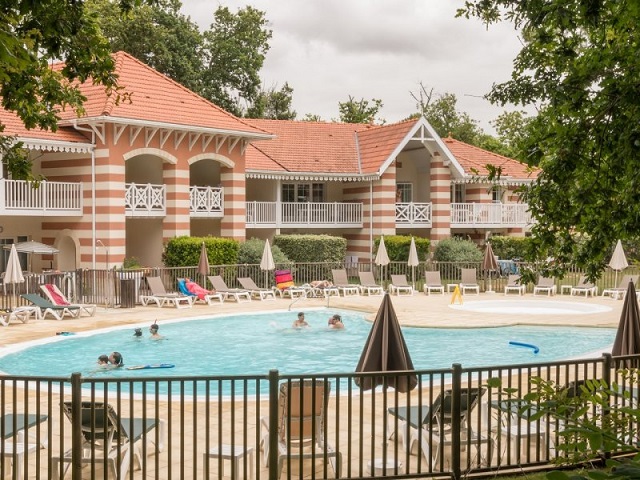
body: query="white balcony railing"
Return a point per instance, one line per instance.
(490, 215)
(304, 214)
(207, 201)
(413, 214)
(19, 197)
(145, 200)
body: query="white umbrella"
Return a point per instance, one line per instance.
(413, 261)
(32, 247)
(13, 273)
(618, 260)
(382, 258)
(266, 263)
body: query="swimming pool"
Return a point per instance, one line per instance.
(255, 343)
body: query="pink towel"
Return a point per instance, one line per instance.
(196, 289)
(57, 297)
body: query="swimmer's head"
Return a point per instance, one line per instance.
(154, 327)
(137, 332)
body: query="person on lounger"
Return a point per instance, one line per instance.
(336, 322)
(300, 321)
(197, 290)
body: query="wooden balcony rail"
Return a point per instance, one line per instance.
(145, 200)
(19, 197)
(413, 213)
(206, 201)
(335, 214)
(490, 214)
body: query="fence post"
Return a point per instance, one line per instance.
(76, 427)
(607, 363)
(456, 378)
(274, 377)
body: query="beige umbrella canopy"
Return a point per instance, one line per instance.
(618, 260)
(382, 257)
(489, 263)
(413, 261)
(203, 263)
(32, 248)
(627, 340)
(13, 273)
(386, 351)
(266, 262)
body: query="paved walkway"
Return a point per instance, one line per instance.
(417, 310)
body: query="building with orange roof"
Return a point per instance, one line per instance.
(127, 176)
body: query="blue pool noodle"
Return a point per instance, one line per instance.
(528, 345)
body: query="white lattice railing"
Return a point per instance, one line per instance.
(302, 214)
(479, 214)
(206, 201)
(145, 200)
(413, 214)
(19, 197)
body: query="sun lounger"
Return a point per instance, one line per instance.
(514, 285)
(286, 287)
(255, 291)
(56, 297)
(49, 309)
(22, 314)
(621, 289)
(341, 282)
(161, 297)
(13, 428)
(585, 287)
(238, 294)
(545, 285)
(368, 284)
(198, 293)
(433, 283)
(468, 281)
(400, 286)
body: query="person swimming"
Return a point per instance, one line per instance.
(116, 359)
(137, 332)
(336, 322)
(103, 360)
(300, 322)
(153, 329)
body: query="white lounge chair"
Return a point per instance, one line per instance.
(238, 294)
(585, 287)
(621, 289)
(56, 297)
(399, 285)
(514, 285)
(545, 285)
(433, 283)
(161, 297)
(255, 291)
(368, 284)
(468, 281)
(341, 282)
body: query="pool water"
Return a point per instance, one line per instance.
(256, 343)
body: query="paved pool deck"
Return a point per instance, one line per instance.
(417, 310)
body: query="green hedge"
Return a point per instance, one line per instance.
(457, 250)
(251, 252)
(398, 247)
(508, 248)
(185, 251)
(312, 248)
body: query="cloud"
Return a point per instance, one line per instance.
(328, 50)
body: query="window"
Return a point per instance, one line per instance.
(457, 193)
(496, 194)
(404, 193)
(303, 192)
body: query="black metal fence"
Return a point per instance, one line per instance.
(123, 287)
(455, 422)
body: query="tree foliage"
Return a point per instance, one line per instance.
(579, 66)
(273, 104)
(360, 111)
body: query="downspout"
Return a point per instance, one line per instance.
(93, 191)
(371, 222)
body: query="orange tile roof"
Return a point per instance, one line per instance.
(14, 126)
(471, 157)
(157, 98)
(377, 144)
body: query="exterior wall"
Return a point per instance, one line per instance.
(440, 181)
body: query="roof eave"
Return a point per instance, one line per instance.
(54, 145)
(340, 177)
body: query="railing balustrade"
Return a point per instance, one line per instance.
(309, 214)
(490, 214)
(206, 201)
(145, 200)
(44, 197)
(413, 214)
(194, 425)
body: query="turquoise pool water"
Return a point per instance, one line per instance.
(256, 343)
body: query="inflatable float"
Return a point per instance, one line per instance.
(146, 367)
(526, 345)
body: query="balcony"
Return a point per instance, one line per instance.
(145, 200)
(303, 215)
(413, 215)
(490, 215)
(207, 202)
(19, 197)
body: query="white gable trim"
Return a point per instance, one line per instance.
(54, 145)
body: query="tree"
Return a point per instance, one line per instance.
(234, 50)
(443, 116)
(360, 111)
(158, 35)
(511, 128)
(312, 117)
(273, 104)
(578, 64)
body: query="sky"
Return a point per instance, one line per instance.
(329, 50)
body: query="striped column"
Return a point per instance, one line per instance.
(440, 180)
(177, 221)
(235, 216)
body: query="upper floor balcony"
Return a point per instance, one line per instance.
(19, 197)
(413, 215)
(304, 215)
(490, 215)
(150, 201)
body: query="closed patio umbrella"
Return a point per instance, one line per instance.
(386, 351)
(627, 340)
(382, 257)
(413, 261)
(489, 263)
(266, 262)
(618, 260)
(203, 263)
(13, 273)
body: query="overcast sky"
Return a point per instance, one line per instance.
(328, 50)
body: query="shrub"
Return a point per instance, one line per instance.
(312, 248)
(457, 250)
(509, 247)
(185, 251)
(250, 252)
(398, 247)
